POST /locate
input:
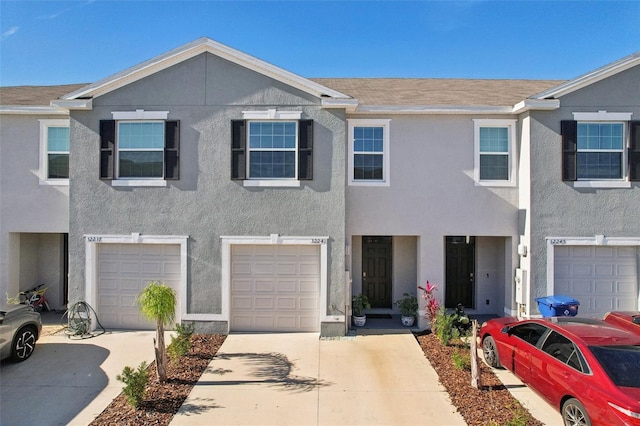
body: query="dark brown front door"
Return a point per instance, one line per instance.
(460, 280)
(376, 270)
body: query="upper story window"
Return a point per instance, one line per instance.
(369, 152)
(272, 148)
(54, 149)
(494, 142)
(139, 148)
(600, 149)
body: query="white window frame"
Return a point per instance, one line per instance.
(386, 158)
(271, 115)
(142, 116)
(44, 151)
(511, 131)
(120, 150)
(608, 118)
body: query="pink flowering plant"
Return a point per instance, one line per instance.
(432, 303)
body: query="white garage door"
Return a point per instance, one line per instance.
(601, 278)
(275, 288)
(123, 271)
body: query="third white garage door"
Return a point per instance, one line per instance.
(601, 278)
(275, 288)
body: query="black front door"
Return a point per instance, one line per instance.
(460, 280)
(376, 270)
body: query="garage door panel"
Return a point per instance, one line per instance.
(263, 269)
(288, 268)
(240, 286)
(265, 286)
(308, 303)
(600, 278)
(263, 303)
(282, 297)
(242, 303)
(284, 303)
(241, 268)
(287, 286)
(123, 271)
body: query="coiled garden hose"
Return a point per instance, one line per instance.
(79, 322)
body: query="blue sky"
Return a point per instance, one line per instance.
(54, 42)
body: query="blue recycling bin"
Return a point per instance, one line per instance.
(558, 306)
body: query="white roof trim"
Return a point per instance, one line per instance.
(536, 104)
(435, 109)
(191, 50)
(82, 104)
(33, 110)
(591, 77)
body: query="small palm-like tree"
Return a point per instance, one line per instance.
(158, 303)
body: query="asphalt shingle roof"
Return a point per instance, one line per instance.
(437, 91)
(34, 95)
(368, 91)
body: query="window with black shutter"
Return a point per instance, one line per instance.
(272, 150)
(139, 149)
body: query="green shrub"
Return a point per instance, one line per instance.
(444, 327)
(520, 416)
(462, 360)
(135, 383)
(181, 343)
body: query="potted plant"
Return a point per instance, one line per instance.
(408, 307)
(358, 303)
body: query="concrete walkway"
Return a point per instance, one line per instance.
(299, 379)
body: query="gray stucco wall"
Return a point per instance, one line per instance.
(205, 93)
(557, 208)
(26, 206)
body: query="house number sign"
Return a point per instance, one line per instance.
(557, 242)
(318, 241)
(94, 239)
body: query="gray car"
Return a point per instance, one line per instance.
(20, 327)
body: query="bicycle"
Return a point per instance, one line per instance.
(34, 297)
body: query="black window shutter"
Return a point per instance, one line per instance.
(305, 149)
(569, 132)
(107, 147)
(634, 151)
(172, 150)
(238, 149)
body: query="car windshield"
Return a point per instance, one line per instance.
(622, 364)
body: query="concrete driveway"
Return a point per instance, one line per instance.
(69, 381)
(299, 379)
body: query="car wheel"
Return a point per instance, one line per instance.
(23, 344)
(490, 352)
(574, 413)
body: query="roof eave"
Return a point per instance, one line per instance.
(32, 110)
(433, 109)
(191, 50)
(536, 104)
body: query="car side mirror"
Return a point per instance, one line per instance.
(507, 330)
(636, 319)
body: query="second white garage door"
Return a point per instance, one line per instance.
(601, 278)
(123, 271)
(275, 288)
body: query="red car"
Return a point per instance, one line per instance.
(588, 369)
(626, 320)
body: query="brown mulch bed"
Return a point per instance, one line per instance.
(163, 400)
(491, 405)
